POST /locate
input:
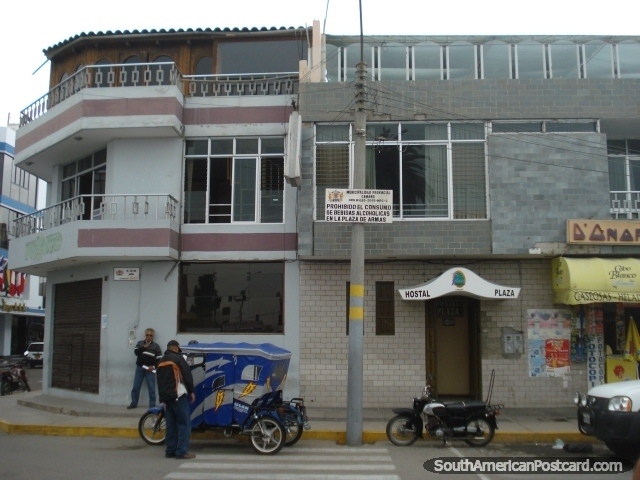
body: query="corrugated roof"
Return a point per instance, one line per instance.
(188, 31)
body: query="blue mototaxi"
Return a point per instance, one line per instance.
(238, 389)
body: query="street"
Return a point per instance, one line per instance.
(63, 458)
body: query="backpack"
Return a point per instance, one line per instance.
(169, 378)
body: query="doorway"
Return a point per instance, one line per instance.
(452, 346)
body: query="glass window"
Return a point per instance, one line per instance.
(530, 60)
(624, 178)
(516, 127)
(223, 187)
(598, 60)
(204, 66)
(332, 171)
(564, 60)
(428, 62)
(495, 57)
(467, 131)
(161, 74)
(103, 76)
(232, 297)
(469, 180)
(462, 62)
(629, 60)
(133, 73)
(554, 127)
(261, 56)
(393, 62)
(333, 63)
(86, 177)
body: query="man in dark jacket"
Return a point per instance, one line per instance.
(148, 353)
(175, 386)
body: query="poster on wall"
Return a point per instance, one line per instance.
(549, 340)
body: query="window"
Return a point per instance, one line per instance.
(629, 60)
(461, 61)
(261, 56)
(496, 60)
(597, 60)
(428, 61)
(420, 162)
(160, 74)
(232, 297)
(385, 312)
(229, 180)
(530, 60)
(564, 60)
(19, 177)
(86, 177)
(131, 75)
(624, 178)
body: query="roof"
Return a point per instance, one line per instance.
(121, 34)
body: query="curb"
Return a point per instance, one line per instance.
(338, 437)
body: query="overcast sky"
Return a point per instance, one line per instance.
(30, 27)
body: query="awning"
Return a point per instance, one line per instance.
(579, 281)
(459, 281)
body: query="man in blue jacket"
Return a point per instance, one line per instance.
(148, 353)
(175, 386)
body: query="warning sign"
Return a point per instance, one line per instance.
(358, 206)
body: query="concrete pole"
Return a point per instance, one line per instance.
(356, 291)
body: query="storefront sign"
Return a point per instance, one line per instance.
(126, 274)
(595, 280)
(15, 307)
(42, 246)
(603, 232)
(358, 206)
(459, 281)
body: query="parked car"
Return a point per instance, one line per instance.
(34, 353)
(611, 413)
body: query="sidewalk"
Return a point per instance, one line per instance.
(33, 413)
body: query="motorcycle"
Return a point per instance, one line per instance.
(234, 394)
(473, 422)
(12, 378)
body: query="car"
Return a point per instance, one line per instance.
(34, 353)
(611, 413)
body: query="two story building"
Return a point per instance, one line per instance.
(188, 173)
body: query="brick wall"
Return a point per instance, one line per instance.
(394, 366)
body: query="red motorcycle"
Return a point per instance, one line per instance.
(12, 378)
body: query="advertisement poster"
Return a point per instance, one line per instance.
(549, 340)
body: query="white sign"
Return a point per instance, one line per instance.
(126, 274)
(358, 206)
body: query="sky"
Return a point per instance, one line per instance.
(28, 27)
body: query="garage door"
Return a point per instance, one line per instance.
(76, 335)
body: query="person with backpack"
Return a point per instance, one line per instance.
(175, 388)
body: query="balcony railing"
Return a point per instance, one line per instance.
(161, 73)
(625, 204)
(98, 208)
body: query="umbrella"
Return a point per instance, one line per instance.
(632, 344)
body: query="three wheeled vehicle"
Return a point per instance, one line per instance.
(238, 389)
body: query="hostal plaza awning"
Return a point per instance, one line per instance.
(578, 281)
(459, 281)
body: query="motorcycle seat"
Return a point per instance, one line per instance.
(471, 405)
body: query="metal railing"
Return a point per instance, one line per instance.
(98, 208)
(625, 204)
(161, 73)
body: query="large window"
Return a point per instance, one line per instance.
(232, 297)
(86, 177)
(229, 180)
(435, 170)
(624, 178)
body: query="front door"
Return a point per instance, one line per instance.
(452, 354)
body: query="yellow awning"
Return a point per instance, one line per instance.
(593, 280)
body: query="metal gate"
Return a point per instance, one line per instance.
(76, 335)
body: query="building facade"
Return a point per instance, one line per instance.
(188, 175)
(21, 300)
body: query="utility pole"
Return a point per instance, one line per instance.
(356, 290)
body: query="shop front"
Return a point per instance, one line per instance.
(604, 297)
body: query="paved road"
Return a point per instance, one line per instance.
(63, 458)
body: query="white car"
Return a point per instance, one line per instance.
(34, 353)
(611, 413)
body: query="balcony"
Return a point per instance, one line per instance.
(625, 204)
(96, 228)
(160, 74)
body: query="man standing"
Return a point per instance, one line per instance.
(148, 353)
(175, 386)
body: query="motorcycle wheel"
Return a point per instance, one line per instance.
(153, 428)
(402, 431)
(5, 389)
(267, 435)
(484, 432)
(293, 431)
